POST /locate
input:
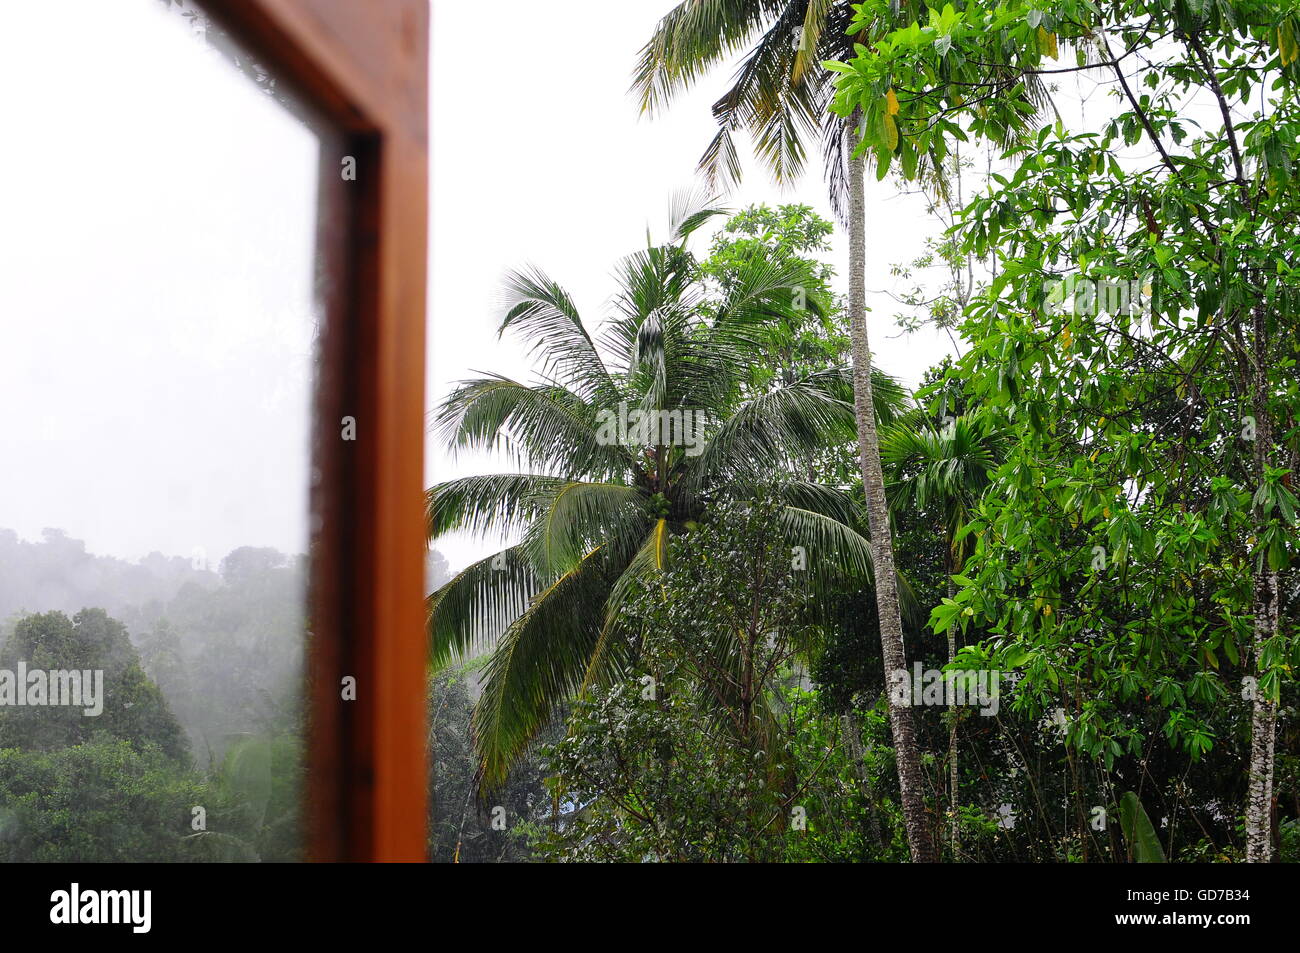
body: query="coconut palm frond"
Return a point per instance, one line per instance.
(890, 397)
(502, 504)
(690, 40)
(691, 208)
(542, 314)
(947, 469)
(580, 515)
(651, 560)
(545, 427)
(477, 604)
(539, 661)
(772, 431)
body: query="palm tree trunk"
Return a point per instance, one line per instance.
(919, 841)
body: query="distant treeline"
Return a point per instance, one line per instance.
(197, 754)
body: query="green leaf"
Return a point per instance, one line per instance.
(1286, 42)
(247, 771)
(1143, 843)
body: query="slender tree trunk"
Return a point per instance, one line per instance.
(858, 757)
(919, 841)
(1263, 726)
(1263, 721)
(953, 798)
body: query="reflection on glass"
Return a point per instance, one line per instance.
(158, 319)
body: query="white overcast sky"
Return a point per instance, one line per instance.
(541, 157)
(156, 251)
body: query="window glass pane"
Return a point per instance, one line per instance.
(158, 324)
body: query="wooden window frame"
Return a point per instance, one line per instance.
(363, 65)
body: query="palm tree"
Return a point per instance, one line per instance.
(620, 447)
(946, 471)
(780, 95)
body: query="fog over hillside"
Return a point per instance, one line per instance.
(203, 671)
(224, 642)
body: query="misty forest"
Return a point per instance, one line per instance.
(745, 597)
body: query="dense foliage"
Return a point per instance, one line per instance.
(197, 752)
(1103, 569)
